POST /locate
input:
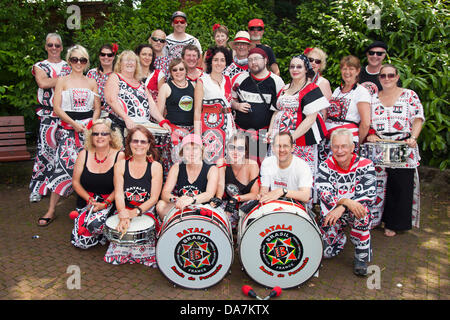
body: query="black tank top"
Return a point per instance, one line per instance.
(137, 191)
(184, 187)
(180, 105)
(230, 178)
(97, 183)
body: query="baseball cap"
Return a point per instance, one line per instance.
(377, 44)
(256, 23)
(179, 14)
(192, 138)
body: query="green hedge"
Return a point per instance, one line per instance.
(415, 31)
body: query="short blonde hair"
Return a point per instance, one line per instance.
(126, 54)
(322, 56)
(342, 132)
(116, 137)
(82, 51)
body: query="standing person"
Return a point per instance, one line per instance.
(349, 106)
(375, 53)
(256, 31)
(191, 56)
(179, 38)
(241, 46)
(347, 188)
(137, 186)
(93, 182)
(212, 106)
(130, 101)
(158, 42)
(76, 102)
(176, 100)
(397, 114)
(46, 74)
(220, 34)
(318, 59)
(153, 78)
(106, 54)
(254, 99)
(299, 108)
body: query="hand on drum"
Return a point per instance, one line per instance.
(123, 225)
(270, 196)
(183, 201)
(373, 138)
(167, 127)
(411, 142)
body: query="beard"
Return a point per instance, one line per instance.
(255, 38)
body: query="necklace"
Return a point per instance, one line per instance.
(100, 161)
(304, 84)
(180, 86)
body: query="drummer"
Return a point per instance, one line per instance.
(137, 184)
(284, 175)
(178, 190)
(346, 188)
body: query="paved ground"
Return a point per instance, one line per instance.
(413, 265)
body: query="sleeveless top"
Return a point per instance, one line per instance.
(180, 105)
(97, 183)
(136, 191)
(230, 178)
(184, 187)
(78, 103)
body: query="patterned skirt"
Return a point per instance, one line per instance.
(217, 129)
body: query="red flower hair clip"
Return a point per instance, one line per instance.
(307, 50)
(215, 26)
(115, 48)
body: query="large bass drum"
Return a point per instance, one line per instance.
(195, 246)
(279, 244)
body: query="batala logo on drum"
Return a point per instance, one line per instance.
(280, 250)
(196, 254)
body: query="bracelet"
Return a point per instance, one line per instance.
(139, 210)
(107, 203)
(195, 200)
(163, 122)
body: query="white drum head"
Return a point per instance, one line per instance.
(137, 223)
(194, 253)
(281, 249)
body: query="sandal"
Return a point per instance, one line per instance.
(389, 232)
(47, 221)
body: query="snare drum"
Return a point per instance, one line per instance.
(385, 154)
(279, 244)
(195, 246)
(140, 231)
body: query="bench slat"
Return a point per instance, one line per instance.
(12, 121)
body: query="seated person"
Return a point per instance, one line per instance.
(192, 168)
(346, 188)
(283, 174)
(238, 176)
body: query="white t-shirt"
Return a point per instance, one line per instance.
(297, 175)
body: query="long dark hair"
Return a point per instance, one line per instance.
(109, 47)
(138, 51)
(212, 51)
(152, 153)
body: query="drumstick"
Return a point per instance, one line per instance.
(391, 141)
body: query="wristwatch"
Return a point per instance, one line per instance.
(284, 192)
(139, 210)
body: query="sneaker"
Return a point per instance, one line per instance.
(359, 267)
(35, 197)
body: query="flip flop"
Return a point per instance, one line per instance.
(47, 221)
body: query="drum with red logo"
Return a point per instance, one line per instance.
(195, 246)
(279, 244)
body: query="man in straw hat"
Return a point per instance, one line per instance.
(241, 46)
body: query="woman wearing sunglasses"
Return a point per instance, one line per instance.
(137, 186)
(101, 73)
(318, 60)
(158, 42)
(299, 107)
(397, 114)
(238, 176)
(93, 182)
(76, 103)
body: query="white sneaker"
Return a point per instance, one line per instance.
(35, 197)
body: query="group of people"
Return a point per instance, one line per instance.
(236, 132)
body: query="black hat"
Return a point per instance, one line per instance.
(376, 44)
(179, 14)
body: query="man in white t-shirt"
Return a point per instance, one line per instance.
(179, 38)
(283, 174)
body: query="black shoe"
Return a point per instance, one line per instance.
(360, 267)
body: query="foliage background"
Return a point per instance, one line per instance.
(416, 32)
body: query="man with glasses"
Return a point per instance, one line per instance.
(375, 53)
(158, 42)
(179, 38)
(46, 74)
(283, 174)
(241, 46)
(254, 97)
(256, 31)
(346, 188)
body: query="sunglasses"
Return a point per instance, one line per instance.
(316, 61)
(102, 54)
(103, 134)
(137, 141)
(158, 40)
(256, 28)
(387, 75)
(299, 67)
(51, 45)
(180, 21)
(232, 147)
(378, 53)
(177, 69)
(75, 60)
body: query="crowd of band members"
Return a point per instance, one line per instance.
(298, 140)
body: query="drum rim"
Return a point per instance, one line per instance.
(296, 285)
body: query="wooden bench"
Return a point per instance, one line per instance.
(13, 145)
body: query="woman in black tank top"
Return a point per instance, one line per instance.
(190, 182)
(93, 182)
